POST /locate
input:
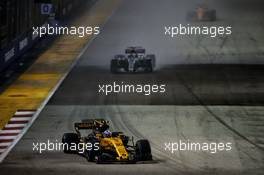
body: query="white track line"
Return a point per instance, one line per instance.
(5, 144)
(24, 113)
(14, 125)
(9, 131)
(20, 119)
(7, 137)
(2, 150)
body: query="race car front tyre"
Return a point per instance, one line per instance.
(114, 66)
(89, 155)
(149, 69)
(151, 63)
(68, 140)
(93, 152)
(143, 150)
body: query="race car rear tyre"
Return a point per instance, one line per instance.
(143, 150)
(68, 139)
(114, 66)
(89, 155)
(149, 66)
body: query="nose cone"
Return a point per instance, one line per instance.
(124, 157)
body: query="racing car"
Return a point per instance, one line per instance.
(106, 148)
(202, 13)
(134, 60)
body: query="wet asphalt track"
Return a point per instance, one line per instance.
(233, 93)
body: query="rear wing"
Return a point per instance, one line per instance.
(137, 50)
(94, 124)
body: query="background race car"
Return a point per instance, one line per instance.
(202, 13)
(134, 60)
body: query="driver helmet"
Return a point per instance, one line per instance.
(107, 134)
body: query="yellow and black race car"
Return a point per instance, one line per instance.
(103, 146)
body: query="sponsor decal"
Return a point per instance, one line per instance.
(9, 54)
